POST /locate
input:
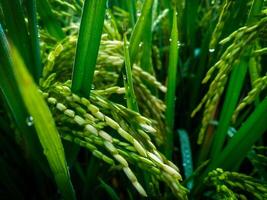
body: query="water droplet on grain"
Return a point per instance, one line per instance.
(138, 14)
(29, 121)
(170, 39)
(92, 86)
(211, 50)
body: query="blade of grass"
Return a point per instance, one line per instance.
(138, 32)
(191, 11)
(230, 159)
(146, 61)
(171, 86)
(251, 130)
(111, 192)
(17, 29)
(234, 88)
(90, 176)
(186, 156)
(232, 96)
(34, 39)
(88, 45)
(132, 10)
(50, 22)
(131, 99)
(11, 94)
(44, 125)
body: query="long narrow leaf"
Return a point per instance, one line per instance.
(243, 140)
(131, 99)
(231, 100)
(171, 86)
(146, 60)
(88, 45)
(186, 156)
(44, 125)
(14, 21)
(111, 192)
(34, 39)
(234, 88)
(132, 9)
(138, 32)
(50, 22)
(11, 94)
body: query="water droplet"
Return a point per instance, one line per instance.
(170, 39)
(29, 121)
(197, 52)
(180, 44)
(138, 14)
(141, 44)
(92, 86)
(211, 50)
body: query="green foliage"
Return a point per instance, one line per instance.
(117, 102)
(87, 47)
(44, 124)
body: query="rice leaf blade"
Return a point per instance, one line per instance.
(246, 136)
(109, 190)
(11, 95)
(44, 125)
(171, 86)
(131, 99)
(138, 33)
(50, 22)
(16, 29)
(88, 45)
(186, 156)
(34, 39)
(232, 96)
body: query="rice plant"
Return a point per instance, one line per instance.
(133, 99)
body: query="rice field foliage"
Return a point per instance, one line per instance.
(136, 99)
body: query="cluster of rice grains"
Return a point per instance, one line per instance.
(233, 185)
(112, 132)
(239, 41)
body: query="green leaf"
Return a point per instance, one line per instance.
(88, 45)
(232, 96)
(131, 99)
(251, 130)
(186, 156)
(171, 86)
(111, 192)
(50, 22)
(16, 29)
(11, 94)
(34, 39)
(132, 10)
(138, 32)
(146, 60)
(44, 125)
(234, 88)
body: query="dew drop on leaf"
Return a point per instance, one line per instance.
(211, 50)
(29, 121)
